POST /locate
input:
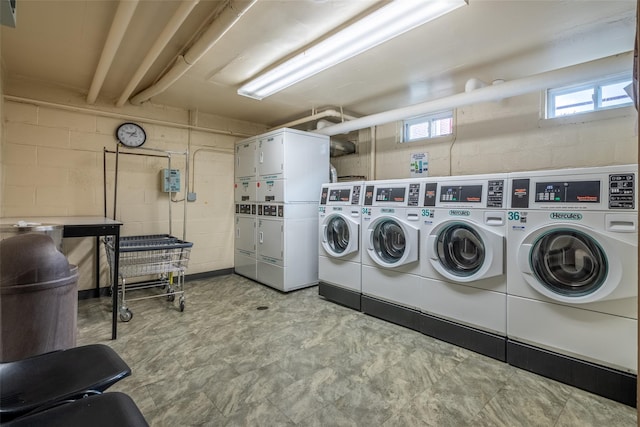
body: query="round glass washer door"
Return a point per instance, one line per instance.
(460, 250)
(338, 238)
(568, 262)
(390, 243)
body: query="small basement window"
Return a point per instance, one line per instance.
(428, 126)
(603, 94)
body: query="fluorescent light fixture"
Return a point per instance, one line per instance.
(389, 21)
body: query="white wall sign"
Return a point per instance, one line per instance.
(419, 165)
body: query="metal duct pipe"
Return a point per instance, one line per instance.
(185, 8)
(333, 173)
(119, 26)
(317, 116)
(227, 19)
(560, 77)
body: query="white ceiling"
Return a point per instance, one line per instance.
(59, 42)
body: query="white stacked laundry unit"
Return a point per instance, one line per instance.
(290, 167)
(245, 199)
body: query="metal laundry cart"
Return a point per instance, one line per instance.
(162, 257)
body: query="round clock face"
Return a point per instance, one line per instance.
(131, 134)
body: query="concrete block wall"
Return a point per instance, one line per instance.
(53, 165)
(504, 136)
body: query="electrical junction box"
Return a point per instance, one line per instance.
(170, 180)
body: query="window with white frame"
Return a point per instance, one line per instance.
(603, 94)
(428, 126)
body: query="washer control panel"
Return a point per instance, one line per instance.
(341, 196)
(355, 195)
(622, 191)
(245, 209)
(414, 195)
(495, 193)
(271, 210)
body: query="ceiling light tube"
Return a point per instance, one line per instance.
(382, 25)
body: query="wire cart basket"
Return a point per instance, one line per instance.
(161, 256)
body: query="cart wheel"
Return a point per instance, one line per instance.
(171, 296)
(126, 315)
(181, 304)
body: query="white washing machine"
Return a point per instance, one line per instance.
(463, 236)
(390, 243)
(572, 274)
(339, 260)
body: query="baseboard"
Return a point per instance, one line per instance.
(482, 342)
(601, 380)
(340, 295)
(391, 312)
(208, 274)
(93, 293)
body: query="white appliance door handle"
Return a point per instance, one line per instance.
(523, 258)
(621, 223)
(261, 156)
(261, 236)
(237, 233)
(324, 233)
(370, 239)
(431, 247)
(494, 218)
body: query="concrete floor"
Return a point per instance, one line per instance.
(309, 362)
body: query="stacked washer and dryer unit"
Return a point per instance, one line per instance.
(464, 281)
(572, 279)
(339, 262)
(278, 175)
(246, 211)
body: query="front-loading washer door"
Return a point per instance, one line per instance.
(340, 235)
(464, 252)
(573, 264)
(392, 242)
(568, 262)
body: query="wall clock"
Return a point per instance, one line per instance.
(131, 134)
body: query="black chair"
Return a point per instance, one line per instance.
(40, 382)
(102, 410)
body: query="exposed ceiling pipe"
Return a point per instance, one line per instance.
(121, 20)
(185, 8)
(227, 19)
(560, 77)
(317, 116)
(473, 84)
(120, 116)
